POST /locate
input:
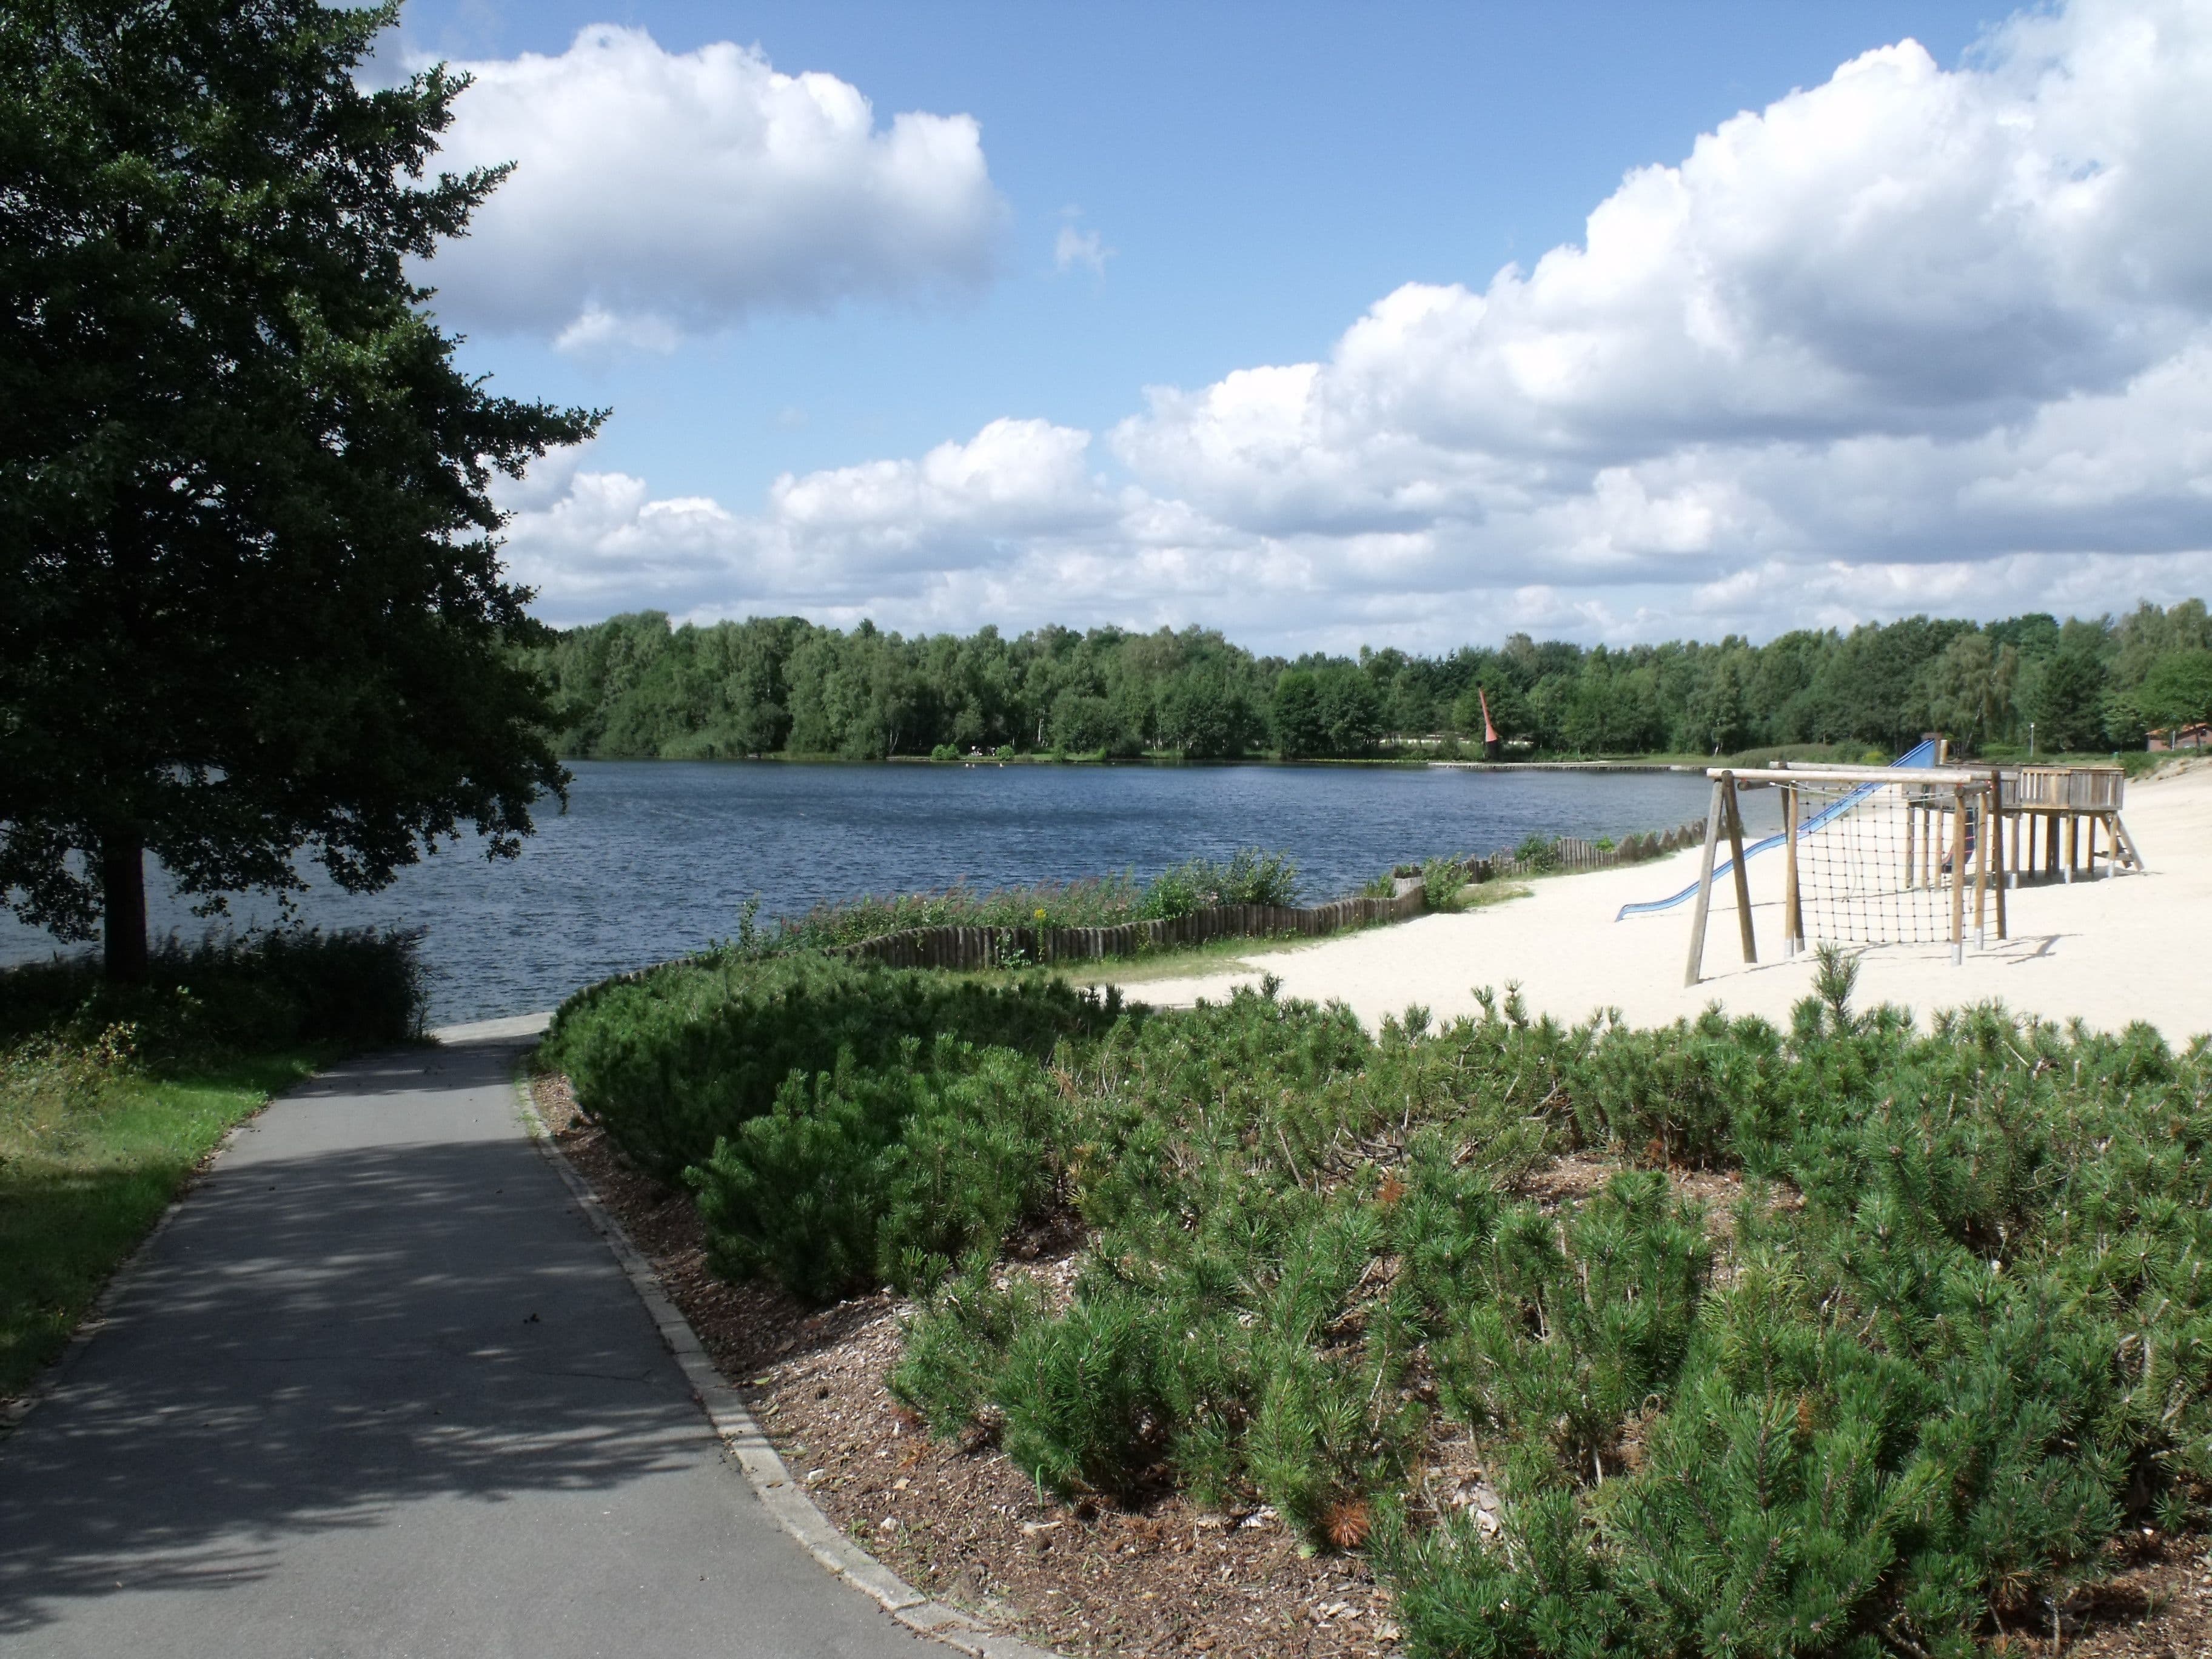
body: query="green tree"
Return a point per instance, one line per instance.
(251, 604)
(1718, 719)
(1969, 690)
(1085, 724)
(1203, 715)
(2177, 691)
(1351, 710)
(2069, 704)
(1301, 727)
(1869, 688)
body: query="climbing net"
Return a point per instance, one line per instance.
(1874, 862)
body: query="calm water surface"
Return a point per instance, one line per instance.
(653, 858)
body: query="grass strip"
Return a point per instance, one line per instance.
(111, 1095)
(91, 1152)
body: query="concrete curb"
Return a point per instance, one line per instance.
(772, 1482)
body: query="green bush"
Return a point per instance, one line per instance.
(956, 1347)
(944, 752)
(1081, 1397)
(356, 988)
(1538, 854)
(1251, 876)
(676, 1059)
(1442, 879)
(1952, 1336)
(1101, 902)
(861, 1175)
(1579, 1321)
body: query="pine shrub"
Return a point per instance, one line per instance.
(1955, 1334)
(677, 1059)
(956, 1345)
(860, 1176)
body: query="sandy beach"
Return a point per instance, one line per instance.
(2120, 949)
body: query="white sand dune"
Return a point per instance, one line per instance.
(2120, 949)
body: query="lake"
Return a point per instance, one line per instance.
(654, 858)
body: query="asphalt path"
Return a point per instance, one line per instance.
(380, 1390)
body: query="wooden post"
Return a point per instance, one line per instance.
(1911, 821)
(1705, 889)
(1996, 796)
(1793, 914)
(1983, 826)
(1958, 875)
(1742, 875)
(2124, 843)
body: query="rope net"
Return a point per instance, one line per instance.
(1875, 863)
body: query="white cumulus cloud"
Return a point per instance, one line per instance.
(1916, 337)
(658, 194)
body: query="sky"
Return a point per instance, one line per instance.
(1329, 325)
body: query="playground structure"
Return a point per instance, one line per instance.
(1925, 754)
(2049, 804)
(1882, 854)
(1890, 849)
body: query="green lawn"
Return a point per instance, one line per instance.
(91, 1152)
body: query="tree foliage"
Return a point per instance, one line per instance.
(250, 601)
(634, 686)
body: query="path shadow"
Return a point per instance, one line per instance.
(321, 1339)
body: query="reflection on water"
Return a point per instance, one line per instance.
(654, 858)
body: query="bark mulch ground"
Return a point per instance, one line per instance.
(962, 1524)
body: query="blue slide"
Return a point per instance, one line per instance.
(1920, 754)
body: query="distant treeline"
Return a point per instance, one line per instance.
(632, 686)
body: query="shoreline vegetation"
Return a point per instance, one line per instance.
(1251, 898)
(2134, 762)
(112, 1097)
(634, 687)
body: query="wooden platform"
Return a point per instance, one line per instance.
(2065, 809)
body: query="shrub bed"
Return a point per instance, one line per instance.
(1904, 1394)
(680, 1057)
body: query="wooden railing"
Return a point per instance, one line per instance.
(2064, 788)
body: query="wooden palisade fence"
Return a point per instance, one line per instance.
(996, 947)
(999, 947)
(1568, 854)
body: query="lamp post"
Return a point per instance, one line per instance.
(2031, 740)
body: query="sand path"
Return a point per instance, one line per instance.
(2126, 948)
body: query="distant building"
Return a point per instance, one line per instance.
(2181, 737)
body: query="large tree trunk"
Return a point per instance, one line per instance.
(123, 896)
